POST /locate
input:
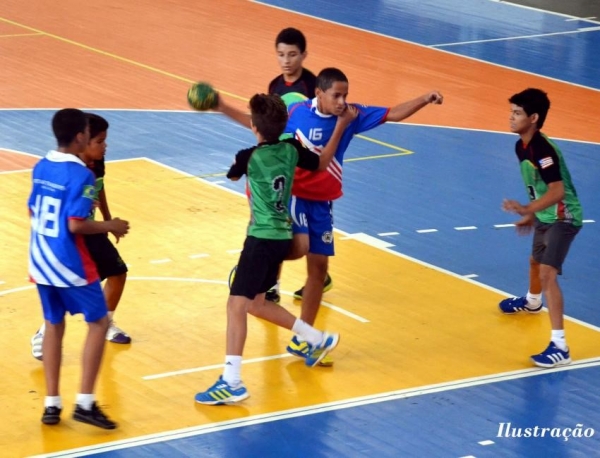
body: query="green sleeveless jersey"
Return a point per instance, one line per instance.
(542, 163)
(270, 169)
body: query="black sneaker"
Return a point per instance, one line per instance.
(273, 296)
(51, 415)
(327, 285)
(95, 417)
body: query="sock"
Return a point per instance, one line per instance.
(53, 401)
(42, 329)
(307, 333)
(85, 401)
(277, 285)
(232, 373)
(534, 300)
(110, 315)
(558, 337)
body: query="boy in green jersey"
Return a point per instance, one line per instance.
(554, 213)
(269, 168)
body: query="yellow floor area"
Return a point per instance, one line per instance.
(419, 326)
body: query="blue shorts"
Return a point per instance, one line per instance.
(315, 218)
(89, 300)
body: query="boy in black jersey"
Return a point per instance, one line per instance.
(294, 83)
(290, 46)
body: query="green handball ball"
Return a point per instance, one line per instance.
(202, 96)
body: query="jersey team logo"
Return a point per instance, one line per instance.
(89, 191)
(327, 237)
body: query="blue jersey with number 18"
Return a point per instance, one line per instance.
(63, 189)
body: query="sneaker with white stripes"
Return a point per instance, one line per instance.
(115, 334)
(552, 357)
(518, 304)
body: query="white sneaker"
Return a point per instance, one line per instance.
(116, 334)
(36, 345)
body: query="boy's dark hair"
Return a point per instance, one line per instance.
(328, 76)
(269, 115)
(97, 124)
(293, 37)
(66, 124)
(533, 101)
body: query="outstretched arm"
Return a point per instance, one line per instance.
(406, 109)
(233, 113)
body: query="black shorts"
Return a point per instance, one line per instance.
(258, 266)
(105, 255)
(551, 243)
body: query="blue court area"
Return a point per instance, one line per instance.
(441, 186)
(526, 39)
(440, 205)
(415, 425)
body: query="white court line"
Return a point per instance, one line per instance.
(214, 366)
(533, 8)
(340, 310)
(426, 231)
(370, 32)
(386, 234)
(465, 228)
(500, 226)
(538, 35)
(319, 408)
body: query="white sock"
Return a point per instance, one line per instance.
(85, 401)
(232, 373)
(53, 401)
(110, 316)
(42, 329)
(534, 300)
(277, 285)
(558, 337)
(307, 333)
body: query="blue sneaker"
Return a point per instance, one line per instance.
(317, 352)
(231, 276)
(552, 357)
(222, 393)
(517, 304)
(299, 348)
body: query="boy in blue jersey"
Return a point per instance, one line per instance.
(109, 263)
(59, 263)
(269, 168)
(314, 123)
(313, 193)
